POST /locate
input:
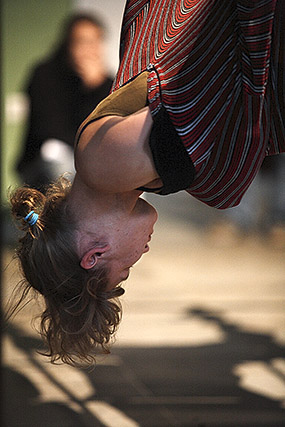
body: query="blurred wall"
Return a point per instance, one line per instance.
(29, 30)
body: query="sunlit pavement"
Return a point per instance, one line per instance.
(201, 342)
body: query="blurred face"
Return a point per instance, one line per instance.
(86, 42)
(130, 240)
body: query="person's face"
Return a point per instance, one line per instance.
(86, 42)
(130, 240)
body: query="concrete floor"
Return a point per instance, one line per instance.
(201, 342)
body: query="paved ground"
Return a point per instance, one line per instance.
(201, 342)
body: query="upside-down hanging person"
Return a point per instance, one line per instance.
(196, 105)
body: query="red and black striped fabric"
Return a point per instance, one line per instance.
(217, 70)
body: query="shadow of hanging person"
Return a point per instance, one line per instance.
(162, 386)
(240, 348)
(240, 343)
(239, 336)
(23, 403)
(194, 385)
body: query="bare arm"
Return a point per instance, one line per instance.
(113, 153)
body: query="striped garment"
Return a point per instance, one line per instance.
(216, 68)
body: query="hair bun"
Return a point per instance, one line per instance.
(26, 205)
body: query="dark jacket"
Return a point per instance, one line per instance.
(59, 102)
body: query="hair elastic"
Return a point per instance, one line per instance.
(31, 218)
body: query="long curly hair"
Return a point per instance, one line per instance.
(80, 315)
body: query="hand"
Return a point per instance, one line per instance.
(91, 71)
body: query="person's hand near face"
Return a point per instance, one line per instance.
(86, 51)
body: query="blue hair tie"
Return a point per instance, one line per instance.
(31, 218)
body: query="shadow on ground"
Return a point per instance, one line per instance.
(189, 386)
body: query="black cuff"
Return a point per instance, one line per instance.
(172, 162)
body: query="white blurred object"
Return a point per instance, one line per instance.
(59, 157)
(16, 107)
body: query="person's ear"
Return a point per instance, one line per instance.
(91, 257)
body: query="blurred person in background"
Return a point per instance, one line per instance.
(62, 91)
